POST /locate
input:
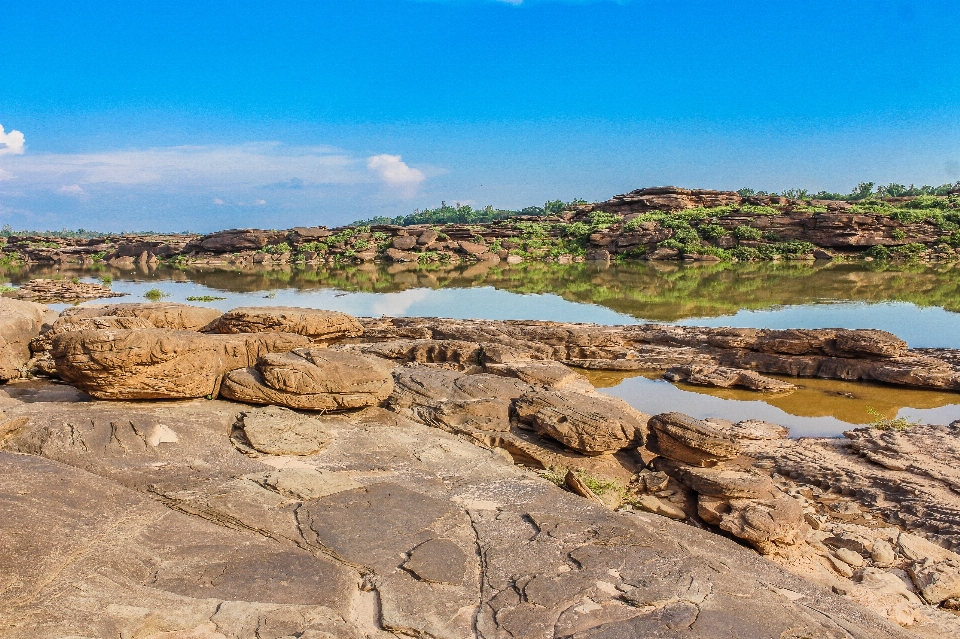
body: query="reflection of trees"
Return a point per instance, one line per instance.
(651, 290)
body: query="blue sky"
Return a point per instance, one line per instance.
(206, 115)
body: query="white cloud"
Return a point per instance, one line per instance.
(394, 171)
(218, 201)
(73, 189)
(11, 143)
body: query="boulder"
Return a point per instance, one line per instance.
(315, 323)
(158, 363)
(590, 424)
(692, 441)
(20, 322)
(74, 324)
(718, 482)
(273, 430)
(936, 580)
(404, 242)
(472, 248)
(769, 525)
(180, 317)
(311, 379)
(236, 240)
(724, 377)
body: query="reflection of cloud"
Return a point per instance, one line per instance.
(11, 143)
(398, 304)
(394, 171)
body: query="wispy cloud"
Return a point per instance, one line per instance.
(73, 189)
(11, 143)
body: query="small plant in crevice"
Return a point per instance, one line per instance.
(889, 423)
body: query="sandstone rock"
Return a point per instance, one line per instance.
(438, 560)
(236, 240)
(770, 525)
(754, 429)
(718, 482)
(917, 548)
(73, 324)
(458, 353)
(304, 483)
(157, 363)
(684, 439)
(181, 317)
(401, 256)
(314, 323)
(473, 248)
(274, 430)
(404, 242)
(549, 374)
(850, 557)
(657, 506)
(936, 580)
(585, 423)
(723, 377)
(20, 322)
(311, 379)
(58, 291)
(882, 553)
(573, 481)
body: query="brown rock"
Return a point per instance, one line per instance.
(770, 525)
(401, 256)
(692, 441)
(723, 377)
(236, 240)
(472, 248)
(314, 323)
(590, 424)
(404, 242)
(180, 317)
(50, 290)
(311, 379)
(157, 363)
(280, 431)
(73, 324)
(20, 322)
(438, 560)
(718, 482)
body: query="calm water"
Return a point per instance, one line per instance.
(919, 304)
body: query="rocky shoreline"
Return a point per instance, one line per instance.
(290, 472)
(664, 224)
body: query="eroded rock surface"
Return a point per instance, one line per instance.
(316, 324)
(20, 322)
(158, 363)
(124, 533)
(311, 379)
(181, 317)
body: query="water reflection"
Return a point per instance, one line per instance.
(820, 407)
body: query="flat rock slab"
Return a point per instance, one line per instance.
(314, 323)
(539, 562)
(58, 291)
(180, 317)
(20, 322)
(274, 430)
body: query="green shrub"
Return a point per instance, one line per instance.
(106, 280)
(898, 234)
(794, 247)
(204, 298)
(276, 249)
(711, 231)
(747, 233)
(879, 252)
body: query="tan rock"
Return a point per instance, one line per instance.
(73, 324)
(158, 363)
(586, 423)
(769, 525)
(936, 580)
(692, 441)
(724, 377)
(653, 504)
(274, 430)
(20, 322)
(181, 317)
(311, 379)
(314, 323)
(718, 482)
